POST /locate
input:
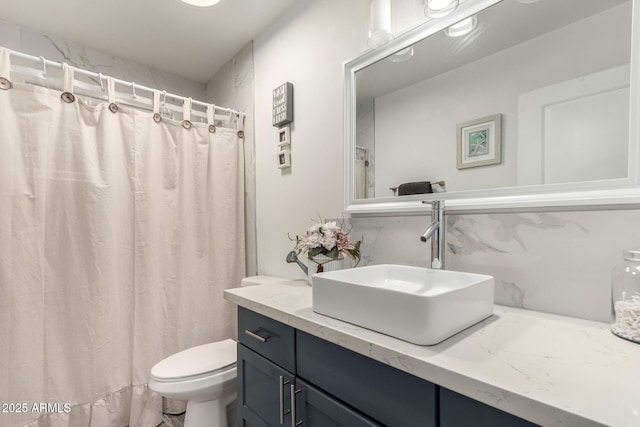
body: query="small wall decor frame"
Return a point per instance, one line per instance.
(284, 159)
(284, 136)
(282, 112)
(479, 142)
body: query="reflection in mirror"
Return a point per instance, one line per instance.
(535, 93)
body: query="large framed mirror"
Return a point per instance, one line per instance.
(503, 103)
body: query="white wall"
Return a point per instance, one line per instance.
(306, 48)
(422, 118)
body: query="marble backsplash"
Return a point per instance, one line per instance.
(556, 262)
(35, 43)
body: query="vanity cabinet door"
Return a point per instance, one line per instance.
(264, 398)
(315, 408)
(457, 410)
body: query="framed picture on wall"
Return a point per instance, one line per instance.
(284, 136)
(284, 159)
(479, 142)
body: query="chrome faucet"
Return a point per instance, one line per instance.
(435, 232)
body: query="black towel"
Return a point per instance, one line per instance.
(408, 188)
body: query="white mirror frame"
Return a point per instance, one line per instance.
(596, 194)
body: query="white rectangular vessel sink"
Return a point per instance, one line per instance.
(419, 305)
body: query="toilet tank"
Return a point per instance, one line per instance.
(260, 280)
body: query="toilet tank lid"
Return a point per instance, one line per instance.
(261, 280)
(196, 360)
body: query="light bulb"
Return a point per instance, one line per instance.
(439, 8)
(461, 28)
(201, 3)
(403, 55)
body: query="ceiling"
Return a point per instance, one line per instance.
(165, 34)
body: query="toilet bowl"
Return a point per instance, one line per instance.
(204, 376)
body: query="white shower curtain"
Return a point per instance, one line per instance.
(118, 236)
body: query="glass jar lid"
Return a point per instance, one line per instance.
(632, 254)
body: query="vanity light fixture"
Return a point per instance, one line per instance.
(439, 8)
(379, 23)
(463, 27)
(201, 3)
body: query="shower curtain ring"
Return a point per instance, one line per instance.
(5, 84)
(67, 96)
(133, 89)
(212, 125)
(44, 66)
(164, 97)
(186, 112)
(100, 78)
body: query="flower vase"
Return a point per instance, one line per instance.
(322, 263)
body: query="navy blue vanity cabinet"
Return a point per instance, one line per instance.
(457, 410)
(266, 370)
(269, 393)
(266, 392)
(287, 377)
(386, 394)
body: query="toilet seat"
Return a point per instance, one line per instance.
(196, 362)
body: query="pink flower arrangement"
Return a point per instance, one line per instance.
(328, 239)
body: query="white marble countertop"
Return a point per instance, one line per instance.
(551, 370)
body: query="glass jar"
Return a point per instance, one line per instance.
(625, 297)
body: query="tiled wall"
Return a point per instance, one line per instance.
(35, 43)
(233, 87)
(557, 262)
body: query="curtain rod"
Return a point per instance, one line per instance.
(134, 86)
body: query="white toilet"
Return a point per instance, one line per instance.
(204, 376)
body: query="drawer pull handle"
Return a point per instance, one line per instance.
(254, 334)
(281, 408)
(294, 423)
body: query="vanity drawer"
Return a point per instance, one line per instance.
(386, 394)
(267, 337)
(457, 410)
